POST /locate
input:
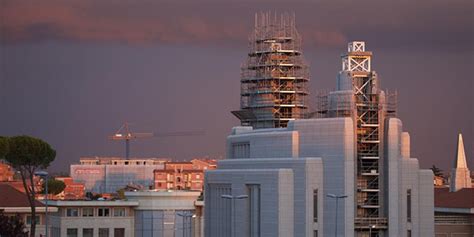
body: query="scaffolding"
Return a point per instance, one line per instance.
(368, 106)
(274, 76)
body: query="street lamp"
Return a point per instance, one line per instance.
(186, 215)
(44, 176)
(337, 197)
(370, 230)
(232, 211)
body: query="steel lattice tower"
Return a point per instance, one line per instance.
(359, 96)
(273, 80)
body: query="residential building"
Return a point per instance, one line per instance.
(109, 174)
(73, 190)
(13, 202)
(289, 180)
(187, 175)
(92, 218)
(165, 213)
(6, 172)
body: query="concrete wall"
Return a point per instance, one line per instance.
(276, 190)
(307, 177)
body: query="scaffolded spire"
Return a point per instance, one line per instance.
(274, 76)
(460, 174)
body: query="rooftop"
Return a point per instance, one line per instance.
(462, 199)
(11, 197)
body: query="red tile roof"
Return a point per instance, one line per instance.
(11, 197)
(463, 198)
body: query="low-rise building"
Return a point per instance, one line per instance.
(73, 190)
(93, 218)
(14, 202)
(166, 213)
(187, 175)
(454, 212)
(6, 172)
(109, 174)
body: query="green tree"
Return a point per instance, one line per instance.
(12, 226)
(4, 147)
(27, 155)
(437, 171)
(55, 187)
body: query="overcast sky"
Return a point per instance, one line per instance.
(71, 72)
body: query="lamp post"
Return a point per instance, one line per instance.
(337, 197)
(44, 176)
(232, 211)
(370, 230)
(186, 215)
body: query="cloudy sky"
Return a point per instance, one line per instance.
(71, 72)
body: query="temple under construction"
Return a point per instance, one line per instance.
(346, 171)
(273, 80)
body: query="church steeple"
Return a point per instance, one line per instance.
(460, 174)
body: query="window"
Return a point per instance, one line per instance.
(103, 232)
(104, 212)
(198, 176)
(178, 179)
(28, 220)
(89, 232)
(409, 205)
(315, 205)
(241, 150)
(71, 232)
(119, 211)
(72, 212)
(119, 232)
(87, 211)
(408, 233)
(253, 191)
(315, 233)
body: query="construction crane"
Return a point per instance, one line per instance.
(124, 134)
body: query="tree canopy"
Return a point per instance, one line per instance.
(12, 226)
(29, 152)
(55, 187)
(437, 171)
(26, 155)
(4, 147)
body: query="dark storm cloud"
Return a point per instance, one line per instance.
(322, 23)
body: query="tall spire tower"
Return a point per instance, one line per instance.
(273, 80)
(460, 174)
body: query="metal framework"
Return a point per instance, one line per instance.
(368, 106)
(273, 79)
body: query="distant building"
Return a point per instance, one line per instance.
(6, 172)
(460, 174)
(92, 218)
(13, 202)
(166, 213)
(109, 174)
(182, 175)
(73, 190)
(454, 212)
(454, 206)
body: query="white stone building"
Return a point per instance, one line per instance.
(276, 181)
